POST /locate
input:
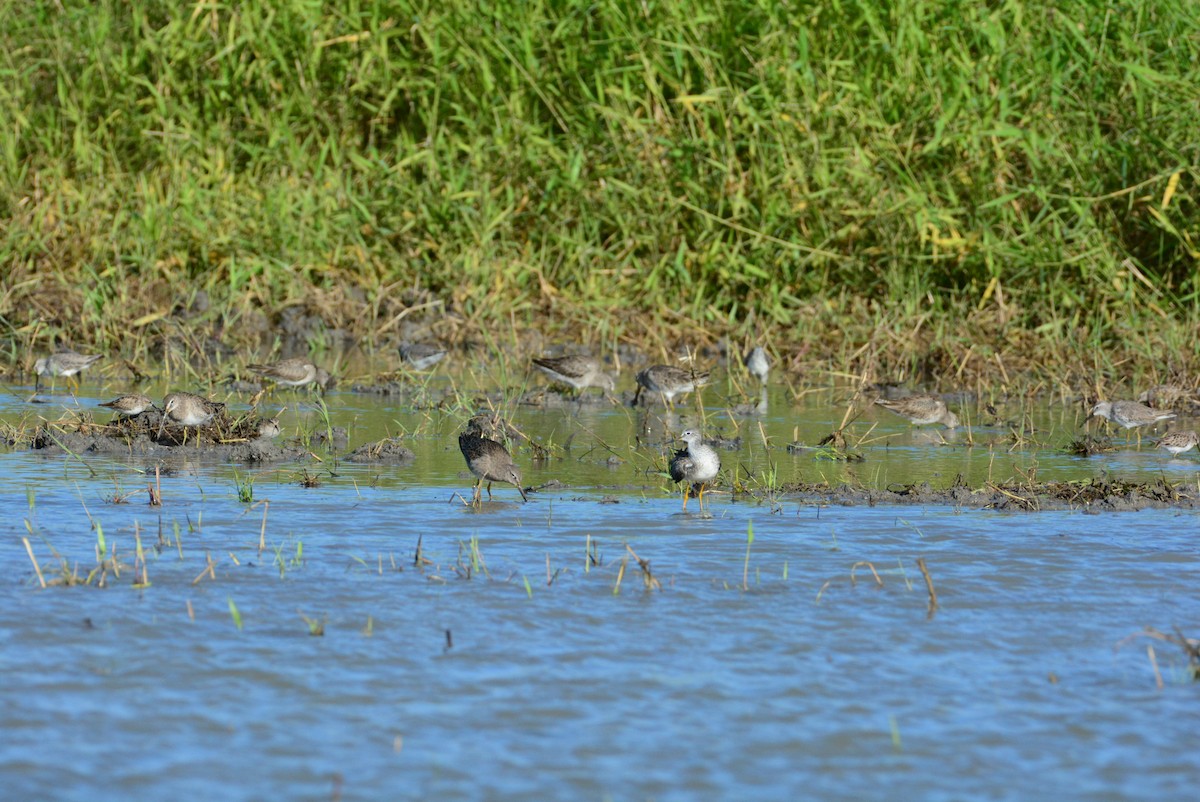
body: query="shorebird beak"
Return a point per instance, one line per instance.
(521, 490)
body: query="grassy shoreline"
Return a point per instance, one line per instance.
(921, 191)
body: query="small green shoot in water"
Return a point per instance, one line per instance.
(528, 587)
(31, 497)
(245, 487)
(101, 546)
(895, 733)
(235, 614)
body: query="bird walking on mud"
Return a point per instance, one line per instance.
(579, 372)
(130, 406)
(64, 362)
(668, 381)
(921, 409)
(696, 464)
(490, 462)
(188, 410)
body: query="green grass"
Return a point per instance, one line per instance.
(913, 189)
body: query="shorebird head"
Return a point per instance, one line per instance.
(1102, 409)
(41, 366)
(691, 437)
(514, 476)
(951, 420)
(607, 382)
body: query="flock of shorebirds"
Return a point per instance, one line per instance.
(696, 464)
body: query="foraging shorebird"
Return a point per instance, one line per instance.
(696, 464)
(1168, 396)
(668, 381)
(758, 363)
(580, 372)
(422, 355)
(187, 409)
(1179, 441)
(131, 405)
(269, 428)
(64, 362)
(1129, 414)
(921, 409)
(490, 462)
(295, 372)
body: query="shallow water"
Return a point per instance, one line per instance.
(466, 680)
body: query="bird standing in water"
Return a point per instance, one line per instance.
(697, 464)
(490, 462)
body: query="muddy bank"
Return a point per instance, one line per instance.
(1102, 494)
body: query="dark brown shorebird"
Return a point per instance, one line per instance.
(131, 405)
(63, 362)
(668, 381)
(490, 462)
(696, 464)
(579, 372)
(921, 410)
(295, 372)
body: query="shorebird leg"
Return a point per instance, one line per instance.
(686, 490)
(477, 495)
(489, 491)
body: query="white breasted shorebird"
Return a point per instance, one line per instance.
(63, 362)
(422, 356)
(187, 410)
(1178, 442)
(758, 363)
(295, 372)
(668, 381)
(697, 464)
(490, 462)
(921, 409)
(130, 405)
(580, 372)
(269, 428)
(1129, 414)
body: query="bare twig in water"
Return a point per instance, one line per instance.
(933, 602)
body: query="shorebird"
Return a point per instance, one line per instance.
(63, 362)
(269, 428)
(295, 372)
(1129, 414)
(580, 372)
(696, 464)
(1179, 441)
(668, 381)
(921, 409)
(490, 462)
(187, 409)
(130, 405)
(758, 363)
(1167, 396)
(422, 355)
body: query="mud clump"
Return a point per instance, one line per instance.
(388, 450)
(141, 436)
